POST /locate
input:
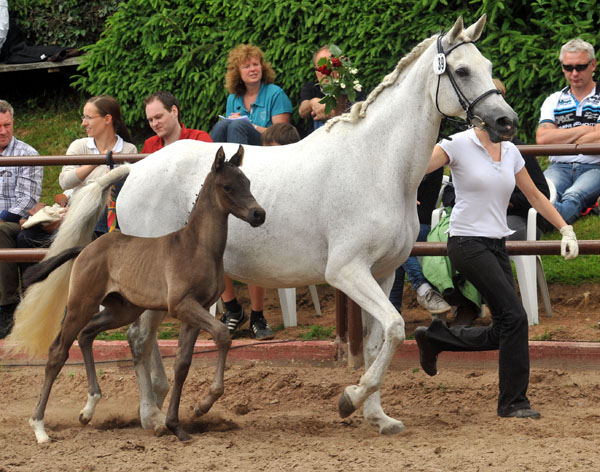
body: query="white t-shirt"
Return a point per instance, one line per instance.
(483, 187)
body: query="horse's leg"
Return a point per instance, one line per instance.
(356, 281)
(373, 339)
(142, 341)
(195, 317)
(57, 356)
(114, 315)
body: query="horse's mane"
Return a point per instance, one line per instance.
(359, 109)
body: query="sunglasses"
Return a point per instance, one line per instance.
(577, 67)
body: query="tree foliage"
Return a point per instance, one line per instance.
(67, 23)
(182, 45)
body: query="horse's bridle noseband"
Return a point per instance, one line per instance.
(462, 99)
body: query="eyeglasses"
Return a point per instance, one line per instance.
(577, 67)
(88, 118)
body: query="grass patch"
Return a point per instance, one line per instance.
(317, 332)
(112, 336)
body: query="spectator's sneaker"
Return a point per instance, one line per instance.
(433, 302)
(261, 329)
(234, 319)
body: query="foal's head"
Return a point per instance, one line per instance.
(232, 188)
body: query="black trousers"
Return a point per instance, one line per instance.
(484, 262)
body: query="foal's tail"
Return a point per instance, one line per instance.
(41, 271)
(39, 315)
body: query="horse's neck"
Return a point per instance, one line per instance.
(207, 221)
(402, 126)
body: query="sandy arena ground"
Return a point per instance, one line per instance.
(283, 416)
(275, 417)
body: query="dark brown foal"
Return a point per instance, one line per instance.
(181, 273)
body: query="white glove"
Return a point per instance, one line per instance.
(568, 245)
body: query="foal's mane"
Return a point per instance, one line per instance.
(359, 109)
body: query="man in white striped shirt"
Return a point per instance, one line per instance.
(20, 190)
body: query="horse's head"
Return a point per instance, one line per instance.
(232, 188)
(465, 88)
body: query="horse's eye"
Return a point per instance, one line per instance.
(227, 188)
(462, 72)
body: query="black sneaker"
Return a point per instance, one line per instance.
(261, 329)
(234, 319)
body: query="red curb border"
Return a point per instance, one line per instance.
(541, 352)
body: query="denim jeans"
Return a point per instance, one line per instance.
(413, 270)
(235, 131)
(484, 262)
(577, 187)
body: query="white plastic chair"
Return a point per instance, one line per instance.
(287, 299)
(530, 271)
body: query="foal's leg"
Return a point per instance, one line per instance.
(356, 281)
(114, 315)
(57, 356)
(153, 389)
(195, 317)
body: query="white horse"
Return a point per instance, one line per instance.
(341, 204)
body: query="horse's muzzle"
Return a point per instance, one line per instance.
(502, 129)
(256, 216)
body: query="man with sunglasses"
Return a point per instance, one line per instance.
(572, 116)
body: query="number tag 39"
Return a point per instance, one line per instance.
(439, 64)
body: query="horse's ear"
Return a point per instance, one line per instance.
(456, 30)
(219, 160)
(238, 157)
(473, 32)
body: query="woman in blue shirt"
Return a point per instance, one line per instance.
(254, 102)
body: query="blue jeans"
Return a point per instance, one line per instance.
(235, 131)
(413, 270)
(577, 187)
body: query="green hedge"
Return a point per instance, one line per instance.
(69, 23)
(181, 45)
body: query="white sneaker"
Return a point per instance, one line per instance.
(433, 302)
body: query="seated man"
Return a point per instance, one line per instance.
(21, 190)
(311, 94)
(571, 116)
(164, 117)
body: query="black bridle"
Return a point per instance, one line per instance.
(441, 64)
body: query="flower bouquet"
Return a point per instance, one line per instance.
(339, 83)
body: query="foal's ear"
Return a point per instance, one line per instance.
(238, 157)
(456, 30)
(219, 160)
(473, 32)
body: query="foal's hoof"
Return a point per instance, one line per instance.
(345, 406)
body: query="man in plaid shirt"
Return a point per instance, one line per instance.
(20, 190)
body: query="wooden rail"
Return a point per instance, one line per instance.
(520, 248)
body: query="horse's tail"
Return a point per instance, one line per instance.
(41, 271)
(39, 315)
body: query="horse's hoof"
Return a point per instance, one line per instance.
(83, 419)
(345, 406)
(393, 427)
(160, 430)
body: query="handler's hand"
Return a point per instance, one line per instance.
(568, 245)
